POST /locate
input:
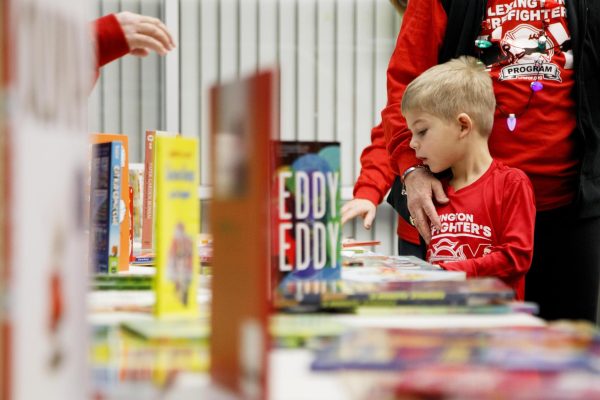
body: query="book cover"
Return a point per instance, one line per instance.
(243, 123)
(43, 178)
(105, 206)
(307, 228)
(124, 212)
(177, 226)
(148, 206)
(349, 294)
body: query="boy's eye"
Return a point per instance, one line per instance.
(422, 132)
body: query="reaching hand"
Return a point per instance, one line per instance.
(421, 186)
(145, 34)
(359, 207)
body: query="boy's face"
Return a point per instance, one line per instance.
(436, 141)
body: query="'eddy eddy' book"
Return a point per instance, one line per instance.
(177, 225)
(307, 229)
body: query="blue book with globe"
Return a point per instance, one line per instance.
(306, 233)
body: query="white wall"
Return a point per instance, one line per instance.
(332, 56)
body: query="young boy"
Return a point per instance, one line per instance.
(486, 228)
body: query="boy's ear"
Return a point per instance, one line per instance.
(466, 124)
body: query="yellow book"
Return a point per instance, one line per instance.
(177, 226)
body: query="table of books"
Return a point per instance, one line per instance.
(372, 351)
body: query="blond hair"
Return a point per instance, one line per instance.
(458, 86)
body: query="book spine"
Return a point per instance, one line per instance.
(114, 237)
(148, 199)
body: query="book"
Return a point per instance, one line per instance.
(177, 226)
(148, 205)
(307, 228)
(124, 212)
(243, 123)
(349, 294)
(105, 204)
(44, 81)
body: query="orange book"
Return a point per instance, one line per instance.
(240, 227)
(124, 209)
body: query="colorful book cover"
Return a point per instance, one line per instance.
(105, 205)
(124, 212)
(243, 124)
(148, 204)
(349, 294)
(307, 231)
(177, 226)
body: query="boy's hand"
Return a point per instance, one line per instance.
(359, 207)
(421, 186)
(145, 34)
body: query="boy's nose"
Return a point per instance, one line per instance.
(413, 143)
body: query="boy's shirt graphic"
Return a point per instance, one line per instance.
(487, 227)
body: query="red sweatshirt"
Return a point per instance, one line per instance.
(542, 144)
(487, 228)
(110, 40)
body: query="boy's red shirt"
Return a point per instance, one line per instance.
(487, 228)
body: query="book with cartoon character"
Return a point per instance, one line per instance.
(177, 225)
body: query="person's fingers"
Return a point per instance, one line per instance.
(349, 213)
(156, 33)
(147, 42)
(140, 52)
(369, 217)
(432, 215)
(420, 221)
(161, 26)
(438, 192)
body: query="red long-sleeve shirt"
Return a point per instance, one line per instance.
(487, 228)
(110, 40)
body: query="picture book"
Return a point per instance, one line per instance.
(148, 204)
(43, 178)
(105, 207)
(177, 226)
(349, 294)
(243, 124)
(307, 230)
(124, 212)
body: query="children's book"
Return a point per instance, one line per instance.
(307, 229)
(105, 207)
(349, 294)
(43, 178)
(148, 205)
(124, 212)
(177, 226)
(243, 123)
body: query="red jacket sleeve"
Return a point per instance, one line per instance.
(376, 174)
(417, 48)
(110, 40)
(511, 259)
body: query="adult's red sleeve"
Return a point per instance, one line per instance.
(417, 48)
(110, 40)
(376, 173)
(511, 259)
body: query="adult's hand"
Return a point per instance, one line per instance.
(359, 207)
(145, 34)
(421, 188)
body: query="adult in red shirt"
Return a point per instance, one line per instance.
(128, 33)
(522, 43)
